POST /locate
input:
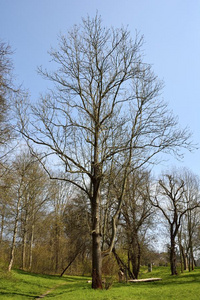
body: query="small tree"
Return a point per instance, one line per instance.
(103, 112)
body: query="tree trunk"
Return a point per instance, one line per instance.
(184, 258)
(122, 265)
(181, 257)
(31, 247)
(57, 245)
(2, 223)
(24, 242)
(96, 261)
(14, 236)
(173, 256)
(135, 257)
(96, 239)
(71, 261)
(24, 250)
(191, 254)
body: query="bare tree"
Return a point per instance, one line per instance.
(59, 194)
(34, 198)
(137, 212)
(18, 190)
(6, 182)
(191, 220)
(8, 94)
(103, 110)
(28, 186)
(77, 226)
(171, 200)
(5, 88)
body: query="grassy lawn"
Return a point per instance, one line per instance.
(22, 285)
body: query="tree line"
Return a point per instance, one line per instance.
(46, 224)
(91, 140)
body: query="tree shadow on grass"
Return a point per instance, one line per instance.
(25, 295)
(54, 277)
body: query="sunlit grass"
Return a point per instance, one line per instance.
(22, 285)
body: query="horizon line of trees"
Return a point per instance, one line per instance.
(45, 225)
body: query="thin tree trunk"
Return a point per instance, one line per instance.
(57, 245)
(181, 252)
(24, 242)
(191, 255)
(24, 251)
(185, 261)
(2, 223)
(14, 235)
(122, 265)
(71, 261)
(31, 247)
(181, 257)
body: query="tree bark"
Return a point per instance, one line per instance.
(96, 242)
(96, 262)
(173, 256)
(57, 244)
(2, 223)
(122, 265)
(135, 258)
(14, 235)
(24, 241)
(31, 247)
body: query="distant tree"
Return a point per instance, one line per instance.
(59, 195)
(77, 226)
(171, 200)
(8, 94)
(6, 181)
(188, 241)
(103, 110)
(33, 201)
(28, 191)
(137, 213)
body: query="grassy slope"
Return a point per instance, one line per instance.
(21, 285)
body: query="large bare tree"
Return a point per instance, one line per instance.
(104, 111)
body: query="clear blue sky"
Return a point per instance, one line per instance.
(171, 29)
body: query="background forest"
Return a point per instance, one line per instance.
(46, 224)
(77, 192)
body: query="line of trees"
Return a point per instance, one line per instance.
(101, 125)
(45, 225)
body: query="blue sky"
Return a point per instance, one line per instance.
(171, 30)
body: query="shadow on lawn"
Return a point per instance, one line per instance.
(28, 296)
(54, 277)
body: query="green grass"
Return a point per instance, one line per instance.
(22, 285)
